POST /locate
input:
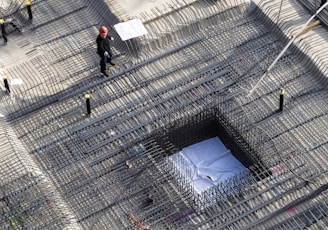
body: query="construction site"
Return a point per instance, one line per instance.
(215, 115)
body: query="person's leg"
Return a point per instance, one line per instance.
(110, 53)
(5, 38)
(103, 63)
(3, 31)
(109, 59)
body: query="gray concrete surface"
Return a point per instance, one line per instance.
(135, 7)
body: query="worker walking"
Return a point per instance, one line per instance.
(104, 49)
(3, 23)
(3, 30)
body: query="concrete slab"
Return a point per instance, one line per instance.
(4, 4)
(135, 7)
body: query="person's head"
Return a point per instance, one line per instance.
(103, 31)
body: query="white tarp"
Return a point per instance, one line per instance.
(206, 164)
(130, 29)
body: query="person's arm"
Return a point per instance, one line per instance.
(110, 38)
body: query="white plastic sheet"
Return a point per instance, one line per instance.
(206, 164)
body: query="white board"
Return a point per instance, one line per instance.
(130, 29)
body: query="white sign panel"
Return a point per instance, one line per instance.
(130, 29)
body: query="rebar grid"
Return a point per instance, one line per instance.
(26, 194)
(110, 167)
(10, 6)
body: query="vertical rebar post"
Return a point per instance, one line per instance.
(3, 30)
(5, 81)
(281, 99)
(29, 10)
(87, 101)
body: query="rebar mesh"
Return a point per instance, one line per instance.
(7, 7)
(26, 194)
(193, 70)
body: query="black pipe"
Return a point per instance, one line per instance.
(5, 80)
(3, 30)
(29, 10)
(281, 100)
(87, 100)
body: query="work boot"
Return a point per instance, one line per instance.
(109, 60)
(105, 72)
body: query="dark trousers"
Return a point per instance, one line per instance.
(4, 36)
(3, 31)
(104, 60)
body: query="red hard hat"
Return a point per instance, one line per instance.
(103, 30)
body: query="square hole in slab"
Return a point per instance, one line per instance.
(206, 159)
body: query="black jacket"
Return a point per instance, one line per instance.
(103, 45)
